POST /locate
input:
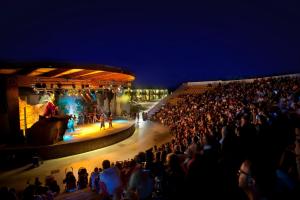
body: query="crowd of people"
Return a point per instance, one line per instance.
(240, 140)
(239, 127)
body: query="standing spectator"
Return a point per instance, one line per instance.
(247, 181)
(257, 181)
(110, 177)
(140, 180)
(174, 183)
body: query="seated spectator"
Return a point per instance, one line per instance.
(70, 182)
(51, 183)
(82, 178)
(94, 179)
(8, 194)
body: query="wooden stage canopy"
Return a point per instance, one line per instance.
(53, 75)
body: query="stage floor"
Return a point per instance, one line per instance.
(92, 131)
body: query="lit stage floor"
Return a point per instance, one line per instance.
(92, 131)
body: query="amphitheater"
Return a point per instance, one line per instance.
(196, 141)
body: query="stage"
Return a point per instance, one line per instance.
(85, 138)
(146, 135)
(92, 131)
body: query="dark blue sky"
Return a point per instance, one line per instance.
(163, 43)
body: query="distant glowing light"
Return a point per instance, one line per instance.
(8, 71)
(125, 98)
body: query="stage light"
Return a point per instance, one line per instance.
(125, 98)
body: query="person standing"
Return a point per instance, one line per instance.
(71, 124)
(110, 181)
(110, 121)
(102, 122)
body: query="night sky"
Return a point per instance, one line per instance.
(164, 43)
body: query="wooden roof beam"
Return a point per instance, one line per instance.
(26, 71)
(76, 75)
(54, 72)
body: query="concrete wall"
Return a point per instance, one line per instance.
(242, 80)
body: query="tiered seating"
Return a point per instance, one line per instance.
(186, 90)
(196, 89)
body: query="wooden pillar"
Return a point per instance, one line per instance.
(4, 133)
(10, 110)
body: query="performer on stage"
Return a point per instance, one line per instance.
(50, 109)
(102, 122)
(71, 123)
(110, 121)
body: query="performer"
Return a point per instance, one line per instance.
(110, 121)
(48, 108)
(102, 122)
(71, 124)
(94, 117)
